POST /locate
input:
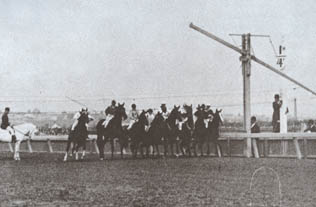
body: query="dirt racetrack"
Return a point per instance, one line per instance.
(42, 179)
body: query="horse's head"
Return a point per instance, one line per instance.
(158, 120)
(188, 109)
(218, 118)
(143, 119)
(175, 114)
(120, 111)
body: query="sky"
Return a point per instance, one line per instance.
(144, 52)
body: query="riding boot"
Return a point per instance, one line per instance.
(13, 138)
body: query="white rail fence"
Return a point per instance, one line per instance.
(299, 145)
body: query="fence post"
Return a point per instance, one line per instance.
(96, 146)
(305, 148)
(29, 145)
(219, 153)
(297, 148)
(255, 148)
(265, 147)
(50, 147)
(228, 147)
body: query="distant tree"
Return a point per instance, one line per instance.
(36, 111)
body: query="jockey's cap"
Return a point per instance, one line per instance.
(133, 105)
(163, 105)
(276, 96)
(7, 109)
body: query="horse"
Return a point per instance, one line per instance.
(171, 131)
(155, 133)
(186, 127)
(213, 129)
(113, 130)
(138, 134)
(78, 137)
(200, 132)
(22, 132)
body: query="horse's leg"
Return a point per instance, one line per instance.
(72, 146)
(181, 146)
(18, 143)
(101, 143)
(15, 151)
(112, 147)
(171, 143)
(148, 147)
(177, 146)
(66, 156)
(165, 143)
(67, 149)
(157, 150)
(207, 142)
(201, 147)
(189, 148)
(218, 148)
(83, 149)
(122, 144)
(77, 151)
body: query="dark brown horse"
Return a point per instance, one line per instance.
(200, 133)
(171, 131)
(77, 137)
(155, 134)
(111, 131)
(213, 132)
(138, 134)
(186, 127)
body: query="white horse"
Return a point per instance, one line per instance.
(22, 132)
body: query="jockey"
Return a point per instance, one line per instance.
(150, 117)
(109, 113)
(133, 116)
(201, 112)
(5, 124)
(77, 116)
(164, 111)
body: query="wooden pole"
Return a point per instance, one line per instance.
(297, 148)
(96, 146)
(255, 148)
(50, 147)
(29, 145)
(295, 109)
(227, 44)
(246, 67)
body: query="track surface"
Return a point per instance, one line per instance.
(42, 179)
